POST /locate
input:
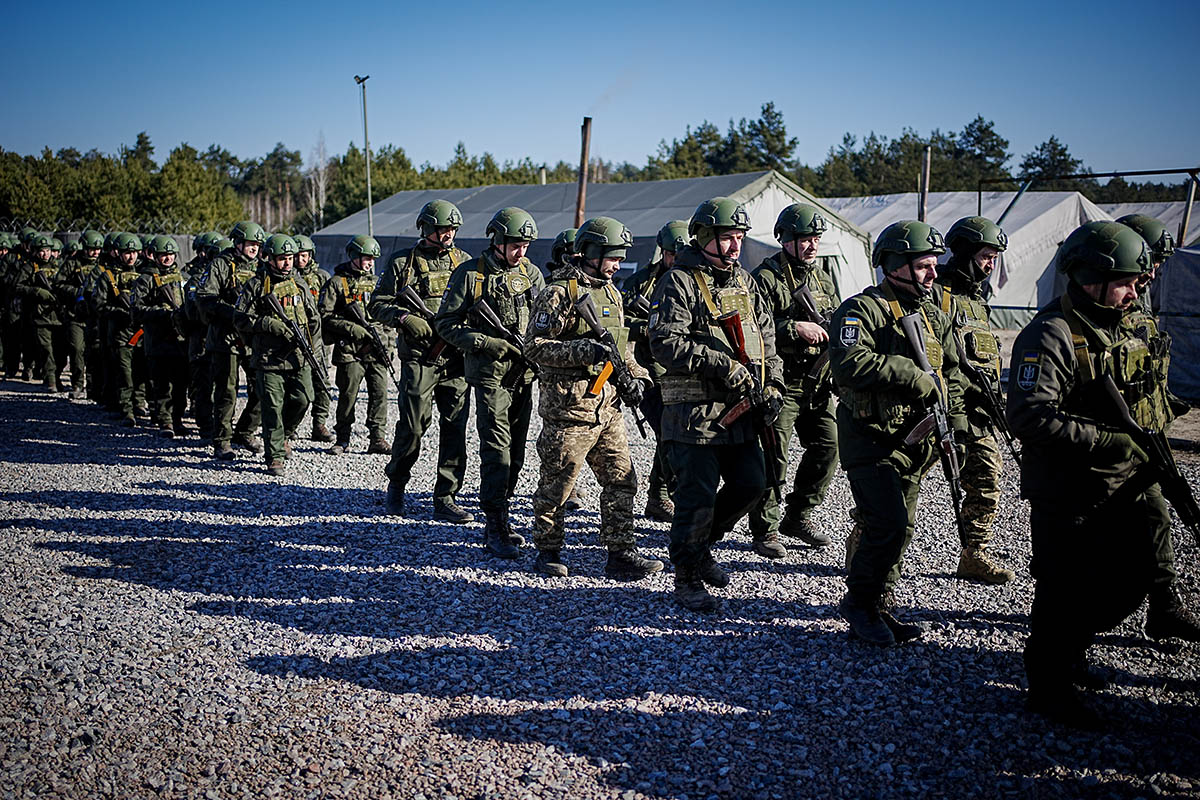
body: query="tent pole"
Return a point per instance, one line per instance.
(1187, 210)
(581, 197)
(923, 205)
(1024, 187)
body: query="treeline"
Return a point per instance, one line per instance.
(194, 190)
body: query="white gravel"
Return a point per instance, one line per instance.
(172, 627)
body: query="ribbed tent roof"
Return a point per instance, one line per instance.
(1171, 213)
(645, 207)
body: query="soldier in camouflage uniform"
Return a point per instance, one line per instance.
(72, 287)
(282, 374)
(17, 347)
(195, 325)
(41, 308)
(123, 338)
(356, 355)
(883, 395)
(580, 424)
(703, 378)
(157, 301)
(1094, 505)
(808, 400)
(217, 298)
(975, 244)
(1166, 616)
(637, 290)
(430, 370)
(494, 364)
(315, 277)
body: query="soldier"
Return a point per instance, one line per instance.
(704, 379)
(801, 297)
(195, 326)
(122, 337)
(6, 247)
(504, 282)
(430, 371)
(359, 350)
(282, 372)
(975, 244)
(17, 347)
(74, 282)
(1094, 504)
(562, 251)
(580, 424)
(637, 290)
(312, 274)
(157, 301)
(883, 394)
(41, 308)
(217, 297)
(1166, 617)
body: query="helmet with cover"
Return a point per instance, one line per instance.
(127, 242)
(799, 219)
(1099, 252)
(716, 215)
(246, 231)
(902, 241)
(363, 245)
(564, 245)
(673, 236)
(438, 214)
(279, 244)
(1157, 237)
(603, 237)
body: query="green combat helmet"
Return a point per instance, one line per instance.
(279, 244)
(715, 215)
(903, 241)
(1099, 252)
(127, 242)
(56, 244)
(438, 214)
(221, 244)
(26, 234)
(673, 236)
(304, 244)
(564, 245)
(40, 241)
(91, 240)
(510, 225)
(247, 231)
(799, 219)
(363, 245)
(603, 237)
(1157, 237)
(164, 244)
(966, 236)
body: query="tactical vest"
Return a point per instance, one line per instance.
(312, 277)
(509, 293)
(608, 308)
(290, 297)
(1137, 364)
(718, 301)
(430, 278)
(170, 285)
(826, 303)
(357, 289)
(971, 326)
(884, 408)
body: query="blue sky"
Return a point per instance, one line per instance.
(1115, 81)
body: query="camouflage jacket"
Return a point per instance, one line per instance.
(977, 347)
(347, 287)
(642, 284)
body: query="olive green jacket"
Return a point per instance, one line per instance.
(777, 281)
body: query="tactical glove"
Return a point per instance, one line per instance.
(358, 333)
(926, 387)
(739, 380)
(496, 348)
(274, 326)
(774, 401)
(1118, 447)
(416, 328)
(44, 295)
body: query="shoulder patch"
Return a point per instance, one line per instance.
(1029, 369)
(652, 322)
(851, 327)
(542, 321)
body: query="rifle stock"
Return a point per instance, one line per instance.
(754, 400)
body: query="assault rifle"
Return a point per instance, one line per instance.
(1175, 487)
(993, 404)
(803, 298)
(753, 401)
(639, 304)
(300, 340)
(381, 351)
(626, 385)
(122, 301)
(938, 420)
(415, 305)
(488, 315)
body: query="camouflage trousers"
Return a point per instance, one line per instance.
(980, 475)
(564, 448)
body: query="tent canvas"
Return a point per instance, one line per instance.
(1178, 290)
(1025, 278)
(644, 207)
(1170, 213)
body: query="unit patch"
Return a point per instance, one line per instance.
(542, 321)
(851, 327)
(1029, 369)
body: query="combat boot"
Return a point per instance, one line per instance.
(222, 451)
(248, 441)
(320, 433)
(574, 502)
(767, 545)
(395, 498)
(275, 468)
(495, 533)
(446, 510)
(690, 592)
(975, 564)
(550, 564)
(340, 447)
(800, 527)
(865, 621)
(128, 421)
(627, 564)
(660, 507)
(852, 543)
(1168, 618)
(1064, 706)
(514, 538)
(901, 631)
(709, 571)
(378, 446)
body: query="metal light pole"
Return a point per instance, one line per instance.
(362, 82)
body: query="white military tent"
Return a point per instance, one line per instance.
(1170, 213)
(1026, 278)
(645, 207)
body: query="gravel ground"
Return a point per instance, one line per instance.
(177, 628)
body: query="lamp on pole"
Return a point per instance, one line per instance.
(362, 82)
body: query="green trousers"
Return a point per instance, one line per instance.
(225, 388)
(48, 343)
(200, 392)
(168, 388)
(285, 397)
(129, 378)
(75, 350)
(350, 376)
(320, 403)
(704, 513)
(816, 430)
(421, 386)
(502, 422)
